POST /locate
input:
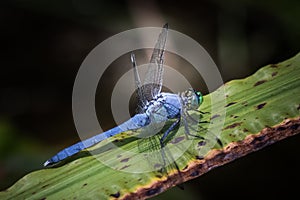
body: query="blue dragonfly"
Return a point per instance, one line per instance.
(155, 107)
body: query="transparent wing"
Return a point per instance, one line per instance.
(153, 80)
(160, 159)
(142, 101)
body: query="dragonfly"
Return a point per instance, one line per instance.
(155, 106)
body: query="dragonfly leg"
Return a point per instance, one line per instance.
(201, 112)
(168, 131)
(189, 126)
(186, 127)
(190, 117)
(162, 145)
(203, 122)
(205, 129)
(201, 129)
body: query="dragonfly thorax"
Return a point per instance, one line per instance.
(163, 106)
(191, 99)
(155, 102)
(158, 99)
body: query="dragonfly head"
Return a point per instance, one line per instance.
(193, 99)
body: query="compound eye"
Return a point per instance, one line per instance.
(199, 97)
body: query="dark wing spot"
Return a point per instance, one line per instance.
(116, 195)
(230, 104)
(125, 160)
(274, 74)
(233, 125)
(260, 82)
(260, 106)
(298, 108)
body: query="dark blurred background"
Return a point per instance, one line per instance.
(45, 41)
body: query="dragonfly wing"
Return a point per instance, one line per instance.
(142, 101)
(158, 115)
(149, 144)
(153, 80)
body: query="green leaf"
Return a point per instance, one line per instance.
(258, 111)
